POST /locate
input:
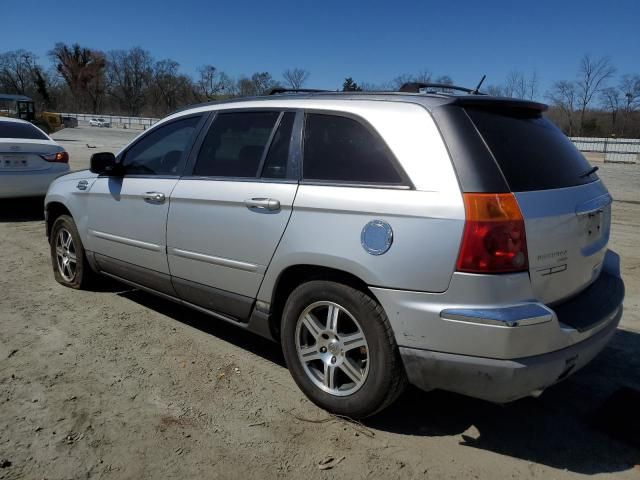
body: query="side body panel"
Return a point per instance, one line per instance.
(215, 239)
(123, 224)
(427, 222)
(64, 190)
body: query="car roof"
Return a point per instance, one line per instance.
(14, 120)
(427, 100)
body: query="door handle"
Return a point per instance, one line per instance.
(154, 197)
(270, 204)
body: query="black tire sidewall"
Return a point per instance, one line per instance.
(65, 221)
(369, 398)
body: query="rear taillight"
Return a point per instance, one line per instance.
(494, 239)
(59, 157)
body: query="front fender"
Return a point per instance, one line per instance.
(64, 191)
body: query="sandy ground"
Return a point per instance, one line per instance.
(116, 383)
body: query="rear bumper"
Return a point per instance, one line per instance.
(502, 380)
(29, 184)
(486, 338)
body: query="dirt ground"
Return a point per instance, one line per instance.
(116, 383)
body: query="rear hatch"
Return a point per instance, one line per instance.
(566, 208)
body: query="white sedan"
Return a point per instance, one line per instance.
(98, 122)
(29, 159)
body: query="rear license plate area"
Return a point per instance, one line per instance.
(13, 161)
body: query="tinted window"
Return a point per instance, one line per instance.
(275, 166)
(342, 149)
(234, 144)
(20, 130)
(160, 151)
(532, 153)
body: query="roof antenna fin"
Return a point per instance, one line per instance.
(476, 90)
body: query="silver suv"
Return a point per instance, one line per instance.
(454, 242)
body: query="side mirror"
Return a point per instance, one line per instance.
(104, 163)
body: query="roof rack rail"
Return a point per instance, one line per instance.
(415, 87)
(277, 90)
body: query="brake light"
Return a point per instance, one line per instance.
(59, 157)
(494, 237)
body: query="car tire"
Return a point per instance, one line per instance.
(340, 372)
(70, 265)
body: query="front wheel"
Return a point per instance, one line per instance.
(70, 266)
(340, 349)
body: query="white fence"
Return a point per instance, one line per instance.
(624, 150)
(137, 123)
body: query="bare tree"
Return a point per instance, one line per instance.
(611, 100)
(532, 86)
(495, 90)
(592, 77)
(16, 71)
(168, 88)
(259, 84)
(295, 78)
(129, 74)
(400, 80)
(212, 83)
(83, 71)
(564, 95)
(515, 85)
(630, 90)
(519, 85)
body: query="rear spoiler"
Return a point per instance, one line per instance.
(485, 101)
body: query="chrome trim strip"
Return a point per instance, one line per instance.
(224, 262)
(516, 316)
(127, 241)
(594, 204)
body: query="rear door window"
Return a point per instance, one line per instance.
(341, 149)
(235, 144)
(20, 130)
(532, 152)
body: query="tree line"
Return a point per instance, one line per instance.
(596, 102)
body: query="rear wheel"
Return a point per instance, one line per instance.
(340, 349)
(70, 266)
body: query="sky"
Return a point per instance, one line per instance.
(371, 41)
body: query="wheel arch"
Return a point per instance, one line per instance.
(53, 210)
(295, 275)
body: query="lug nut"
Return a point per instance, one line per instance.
(323, 349)
(333, 359)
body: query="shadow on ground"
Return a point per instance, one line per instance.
(22, 209)
(566, 428)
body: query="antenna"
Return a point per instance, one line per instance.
(476, 90)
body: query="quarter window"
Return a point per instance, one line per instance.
(160, 151)
(235, 144)
(341, 149)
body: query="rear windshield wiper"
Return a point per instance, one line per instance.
(591, 171)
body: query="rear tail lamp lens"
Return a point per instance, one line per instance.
(494, 238)
(59, 157)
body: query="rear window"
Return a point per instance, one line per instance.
(20, 130)
(532, 153)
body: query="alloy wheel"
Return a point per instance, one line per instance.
(332, 348)
(66, 255)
